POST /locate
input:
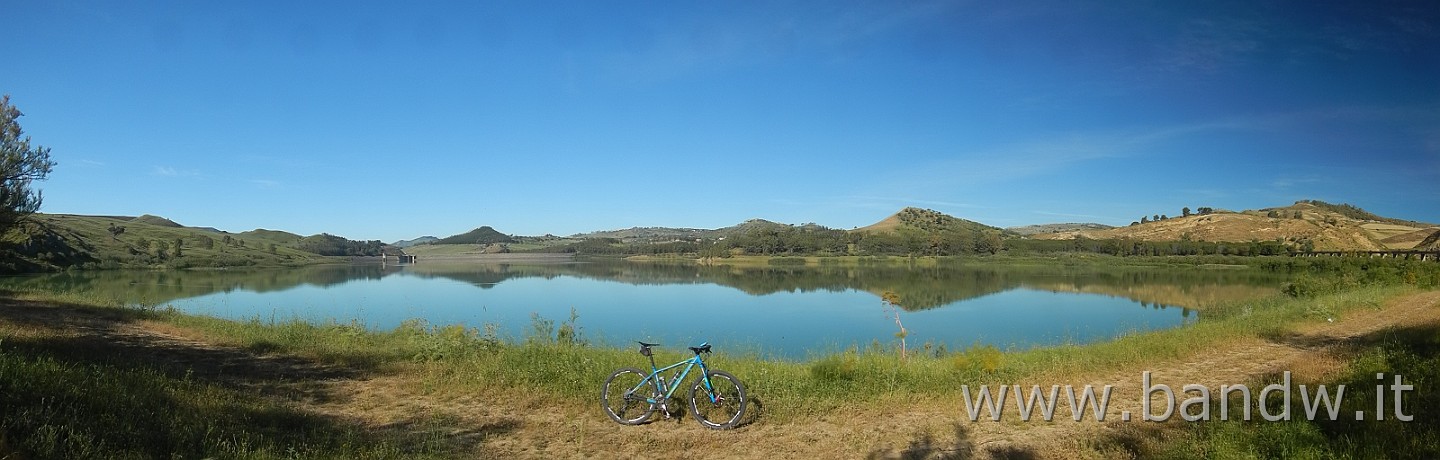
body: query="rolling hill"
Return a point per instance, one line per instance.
(272, 236)
(926, 220)
(55, 241)
(668, 234)
(1028, 230)
(408, 243)
(1323, 225)
(156, 220)
(651, 234)
(482, 235)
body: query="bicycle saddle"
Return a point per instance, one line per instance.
(645, 348)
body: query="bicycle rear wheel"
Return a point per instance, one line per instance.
(624, 406)
(720, 405)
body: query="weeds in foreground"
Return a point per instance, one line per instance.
(1412, 353)
(61, 407)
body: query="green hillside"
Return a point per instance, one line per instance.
(58, 241)
(271, 236)
(749, 226)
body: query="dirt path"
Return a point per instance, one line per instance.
(1311, 353)
(517, 425)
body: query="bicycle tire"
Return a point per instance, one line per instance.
(726, 410)
(628, 409)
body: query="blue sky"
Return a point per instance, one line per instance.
(377, 121)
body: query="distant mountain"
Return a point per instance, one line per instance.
(1057, 228)
(409, 243)
(482, 235)
(666, 234)
(650, 234)
(156, 220)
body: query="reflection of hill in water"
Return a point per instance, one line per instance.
(919, 287)
(155, 287)
(1186, 295)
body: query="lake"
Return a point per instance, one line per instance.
(787, 312)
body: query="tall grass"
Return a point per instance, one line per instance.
(63, 398)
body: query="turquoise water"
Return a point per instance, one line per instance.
(780, 312)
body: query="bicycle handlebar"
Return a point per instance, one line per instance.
(645, 348)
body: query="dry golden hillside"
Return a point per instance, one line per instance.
(1412, 239)
(1327, 229)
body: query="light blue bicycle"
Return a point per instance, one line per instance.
(717, 399)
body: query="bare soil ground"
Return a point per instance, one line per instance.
(514, 423)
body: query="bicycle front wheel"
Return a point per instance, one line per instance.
(720, 404)
(625, 394)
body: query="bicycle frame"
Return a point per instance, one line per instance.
(655, 372)
(722, 407)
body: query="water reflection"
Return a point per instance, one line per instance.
(786, 311)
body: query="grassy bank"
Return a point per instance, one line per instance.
(67, 396)
(1413, 353)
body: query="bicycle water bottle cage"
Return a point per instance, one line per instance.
(645, 348)
(703, 348)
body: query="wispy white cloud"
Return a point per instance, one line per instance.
(715, 43)
(1210, 45)
(266, 184)
(169, 171)
(1030, 158)
(89, 163)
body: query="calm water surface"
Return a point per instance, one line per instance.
(773, 311)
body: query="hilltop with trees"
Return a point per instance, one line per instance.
(482, 235)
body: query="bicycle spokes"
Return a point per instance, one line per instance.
(631, 396)
(624, 396)
(723, 402)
